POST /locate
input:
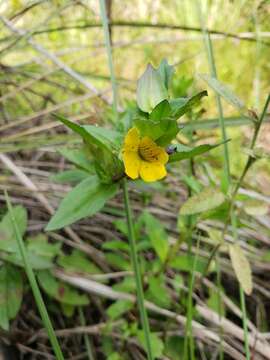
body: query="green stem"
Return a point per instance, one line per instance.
(188, 329)
(221, 347)
(34, 286)
(104, 19)
(226, 178)
(213, 71)
(136, 267)
(243, 307)
(85, 336)
(260, 121)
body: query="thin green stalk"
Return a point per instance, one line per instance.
(245, 326)
(132, 240)
(259, 123)
(249, 162)
(225, 183)
(221, 347)
(137, 272)
(213, 71)
(189, 341)
(34, 286)
(188, 329)
(105, 25)
(85, 336)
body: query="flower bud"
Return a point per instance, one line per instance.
(151, 89)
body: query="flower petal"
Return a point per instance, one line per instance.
(132, 140)
(152, 171)
(132, 163)
(151, 152)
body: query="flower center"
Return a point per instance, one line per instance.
(148, 152)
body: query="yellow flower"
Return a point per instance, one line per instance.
(143, 157)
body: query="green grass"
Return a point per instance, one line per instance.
(34, 286)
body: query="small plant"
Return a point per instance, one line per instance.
(142, 146)
(41, 257)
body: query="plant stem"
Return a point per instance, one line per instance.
(34, 286)
(189, 341)
(213, 71)
(188, 328)
(136, 267)
(85, 336)
(131, 231)
(225, 182)
(104, 19)
(243, 307)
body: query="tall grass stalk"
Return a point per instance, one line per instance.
(249, 162)
(226, 175)
(131, 232)
(211, 62)
(213, 72)
(105, 25)
(189, 347)
(85, 336)
(136, 267)
(34, 286)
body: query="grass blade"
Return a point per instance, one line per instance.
(34, 286)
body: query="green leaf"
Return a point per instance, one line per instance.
(241, 267)
(84, 200)
(161, 111)
(68, 310)
(186, 263)
(157, 236)
(86, 136)
(107, 164)
(174, 347)
(192, 183)
(36, 261)
(185, 152)
(118, 261)
(40, 253)
(113, 139)
(70, 176)
(150, 89)
(207, 199)
(156, 287)
(157, 345)
(159, 126)
(40, 245)
(7, 234)
(166, 72)
(180, 106)
(116, 245)
(59, 290)
(170, 133)
(78, 157)
(119, 308)
(121, 226)
(255, 207)
(78, 262)
(11, 292)
(127, 285)
(224, 91)
(149, 128)
(214, 302)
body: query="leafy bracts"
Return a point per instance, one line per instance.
(107, 156)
